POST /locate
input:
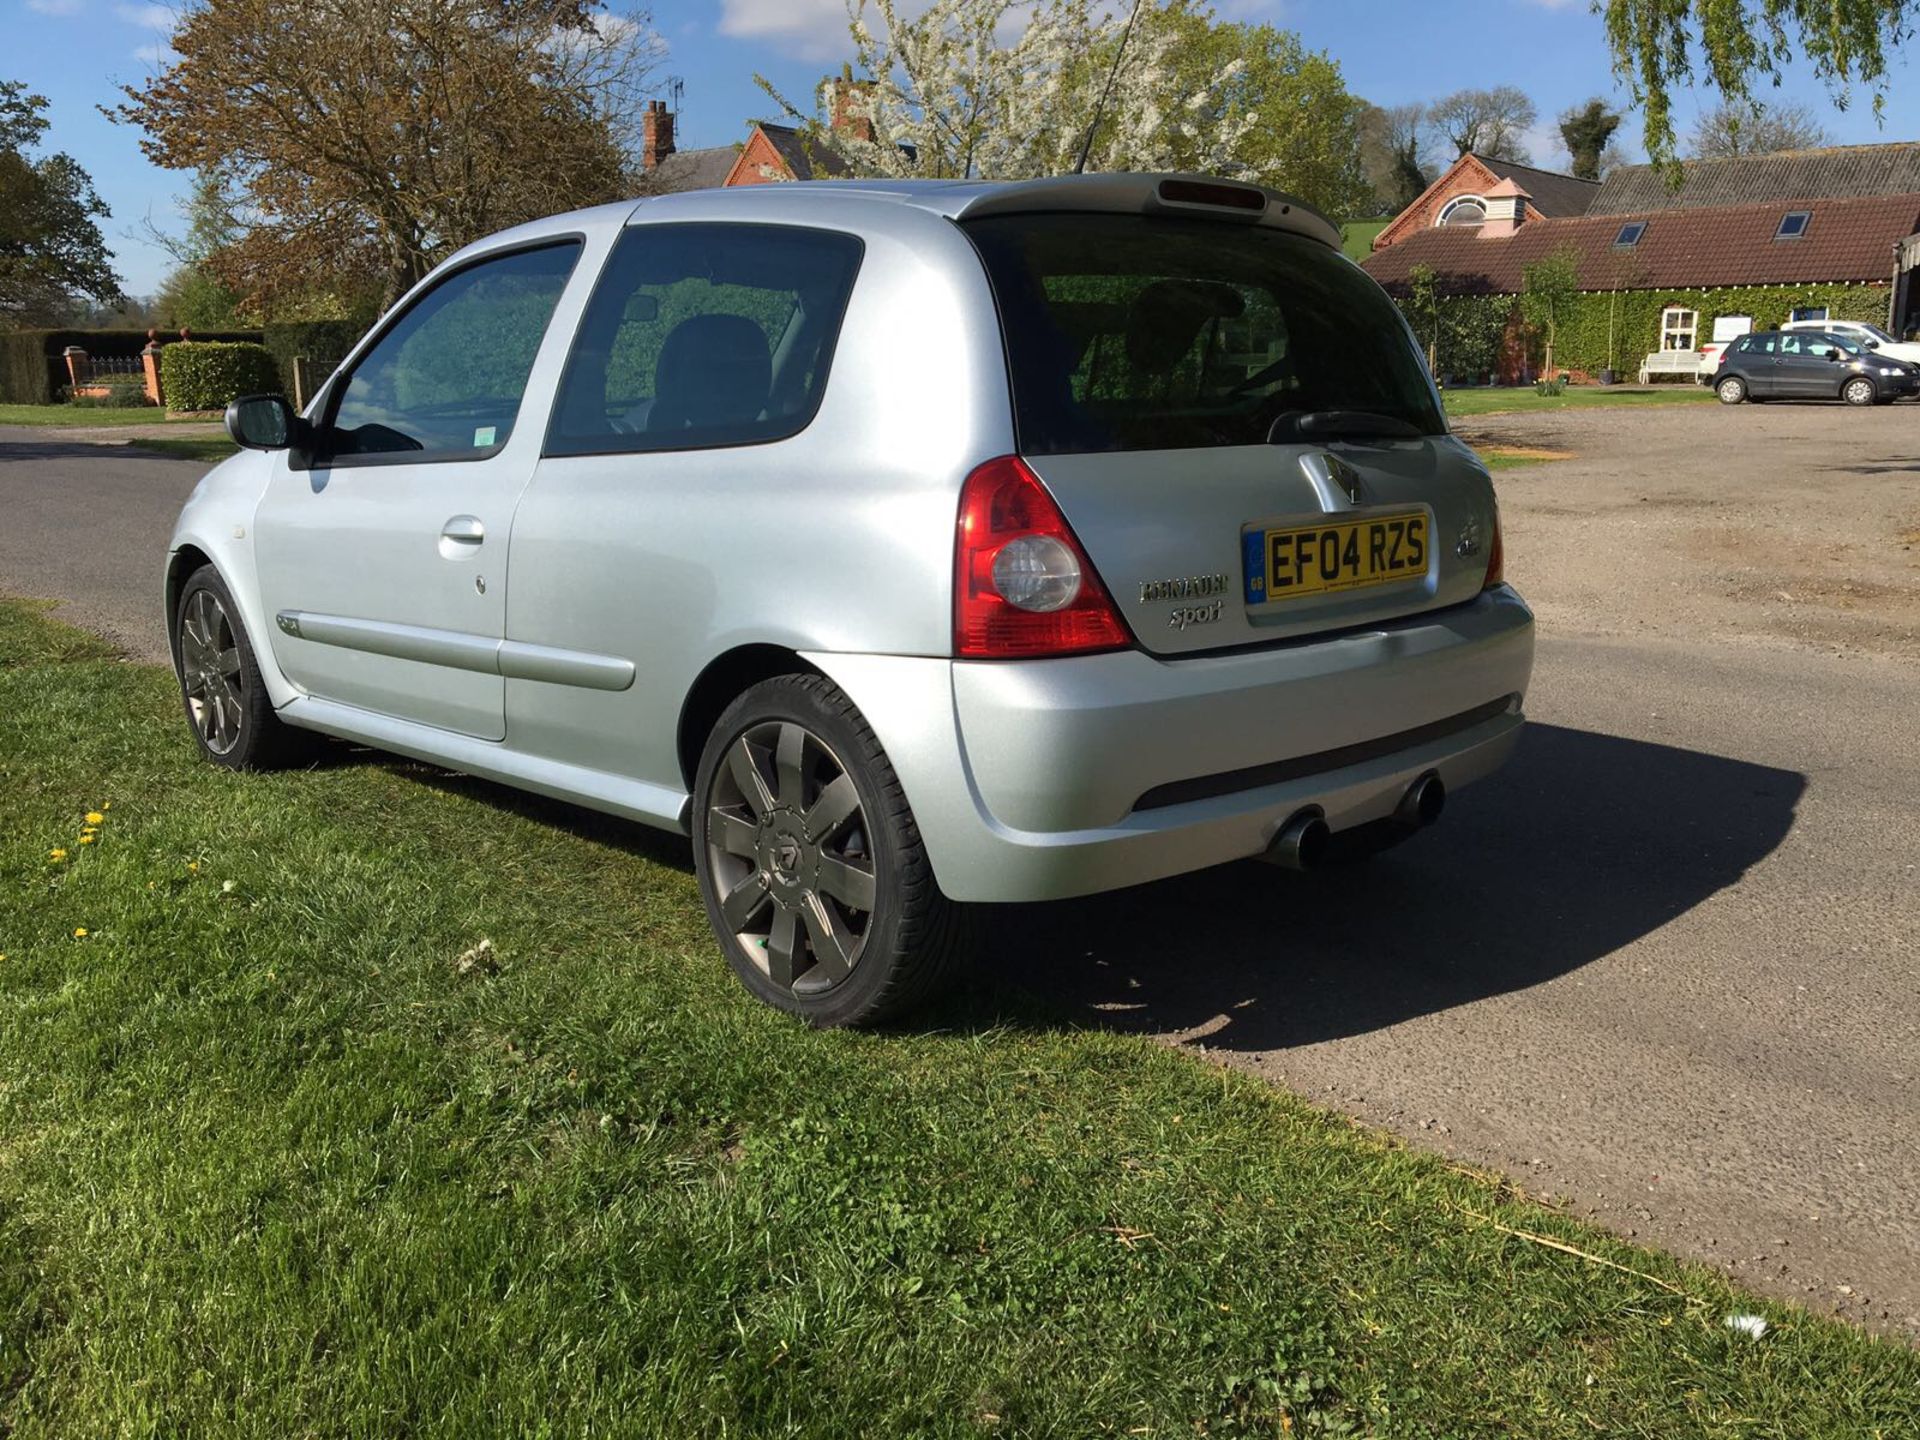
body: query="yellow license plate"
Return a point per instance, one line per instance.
(1333, 555)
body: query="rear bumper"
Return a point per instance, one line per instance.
(1045, 779)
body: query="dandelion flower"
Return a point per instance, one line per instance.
(86, 840)
(56, 854)
(94, 817)
(194, 866)
(80, 932)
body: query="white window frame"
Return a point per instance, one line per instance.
(1457, 201)
(1677, 322)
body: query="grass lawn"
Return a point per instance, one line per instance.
(78, 416)
(209, 448)
(275, 1162)
(1498, 399)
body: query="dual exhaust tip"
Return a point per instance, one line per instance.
(1305, 841)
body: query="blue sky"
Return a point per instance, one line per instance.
(76, 52)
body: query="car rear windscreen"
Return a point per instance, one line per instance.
(1130, 332)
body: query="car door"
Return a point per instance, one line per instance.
(382, 552)
(1802, 368)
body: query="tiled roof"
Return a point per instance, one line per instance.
(1552, 193)
(1837, 172)
(1847, 240)
(806, 161)
(692, 170)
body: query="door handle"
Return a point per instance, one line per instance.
(461, 536)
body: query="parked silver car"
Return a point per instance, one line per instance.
(904, 544)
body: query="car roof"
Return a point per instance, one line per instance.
(1117, 193)
(1126, 193)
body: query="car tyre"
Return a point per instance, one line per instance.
(1859, 391)
(813, 872)
(1731, 390)
(221, 689)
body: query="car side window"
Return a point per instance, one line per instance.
(446, 379)
(1760, 344)
(704, 335)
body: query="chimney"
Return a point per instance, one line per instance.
(1506, 210)
(849, 101)
(656, 134)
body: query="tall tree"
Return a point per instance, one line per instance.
(1491, 123)
(1586, 131)
(375, 137)
(1660, 46)
(1391, 141)
(193, 293)
(1009, 89)
(1729, 130)
(52, 254)
(1299, 126)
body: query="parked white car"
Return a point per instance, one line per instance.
(1871, 337)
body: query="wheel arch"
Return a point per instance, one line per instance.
(716, 687)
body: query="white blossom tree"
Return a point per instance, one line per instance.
(1006, 90)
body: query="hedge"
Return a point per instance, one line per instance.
(33, 372)
(1467, 331)
(203, 375)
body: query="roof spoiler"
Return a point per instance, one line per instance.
(1194, 195)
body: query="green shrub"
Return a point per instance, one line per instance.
(206, 375)
(1555, 386)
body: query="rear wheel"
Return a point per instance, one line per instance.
(811, 866)
(1731, 390)
(221, 690)
(1859, 391)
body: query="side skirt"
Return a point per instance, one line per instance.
(660, 806)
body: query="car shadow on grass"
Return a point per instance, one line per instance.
(1583, 844)
(1580, 846)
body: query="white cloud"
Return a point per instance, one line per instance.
(155, 55)
(55, 7)
(148, 17)
(809, 29)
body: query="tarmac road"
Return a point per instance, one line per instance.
(1665, 967)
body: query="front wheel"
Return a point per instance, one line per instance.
(1859, 391)
(1731, 390)
(812, 869)
(221, 690)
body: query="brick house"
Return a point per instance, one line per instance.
(770, 154)
(1460, 197)
(1819, 234)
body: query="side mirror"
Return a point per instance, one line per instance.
(265, 422)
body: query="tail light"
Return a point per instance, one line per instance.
(1022, 586)
(1496, 557)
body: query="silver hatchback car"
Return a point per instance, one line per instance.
(904, 544)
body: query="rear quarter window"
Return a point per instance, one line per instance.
(1127, 332)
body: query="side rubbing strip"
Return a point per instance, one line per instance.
(452, 648)
(459, 651)
(520, 661)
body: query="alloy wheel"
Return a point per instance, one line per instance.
(210, 671)
(1732, 392)
(1858, 392)
(791, 856)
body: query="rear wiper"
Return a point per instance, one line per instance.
(1340, 425)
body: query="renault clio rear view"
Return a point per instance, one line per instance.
(904, 544)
